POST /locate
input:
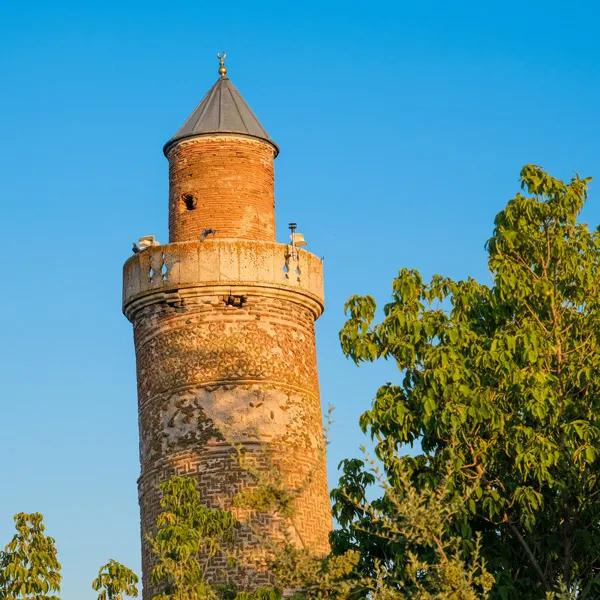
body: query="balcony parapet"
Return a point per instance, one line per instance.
(222, 266)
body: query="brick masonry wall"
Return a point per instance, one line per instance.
(231, 181)
(213, 377)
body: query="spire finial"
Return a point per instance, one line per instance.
(222, 68)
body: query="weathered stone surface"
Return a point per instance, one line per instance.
(213, 378)
(174, 268)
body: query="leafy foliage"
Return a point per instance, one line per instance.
(29, 567)
(188, 534)
(115, 581)
(414, 522)
(416, 554)
(259, 594)
(500, 386)
(315, 577)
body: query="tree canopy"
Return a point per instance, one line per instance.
(29, 567)
(186, 531)
(115, 582)
(499, 394)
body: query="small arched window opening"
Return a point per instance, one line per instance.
(190, 201)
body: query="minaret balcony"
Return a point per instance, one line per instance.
(172, 273)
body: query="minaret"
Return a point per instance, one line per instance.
(223, 319)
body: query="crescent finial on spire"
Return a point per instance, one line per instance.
(222, 68)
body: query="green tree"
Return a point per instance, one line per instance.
(411, 522)
(499, 392)
(29, 567)
(188, 535)
(115, 581)
(259, 594)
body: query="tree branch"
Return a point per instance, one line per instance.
(527, 549)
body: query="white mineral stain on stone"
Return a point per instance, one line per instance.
(240, 414)
(247, 412)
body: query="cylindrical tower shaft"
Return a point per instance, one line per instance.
(223, 322)
(224, 184)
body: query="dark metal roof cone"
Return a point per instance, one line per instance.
(222, 110)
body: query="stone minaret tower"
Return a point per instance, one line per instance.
(223, 320)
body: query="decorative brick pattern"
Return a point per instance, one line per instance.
(214, 377)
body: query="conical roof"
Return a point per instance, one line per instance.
(222, 110)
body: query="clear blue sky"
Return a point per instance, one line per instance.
(402, 128)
